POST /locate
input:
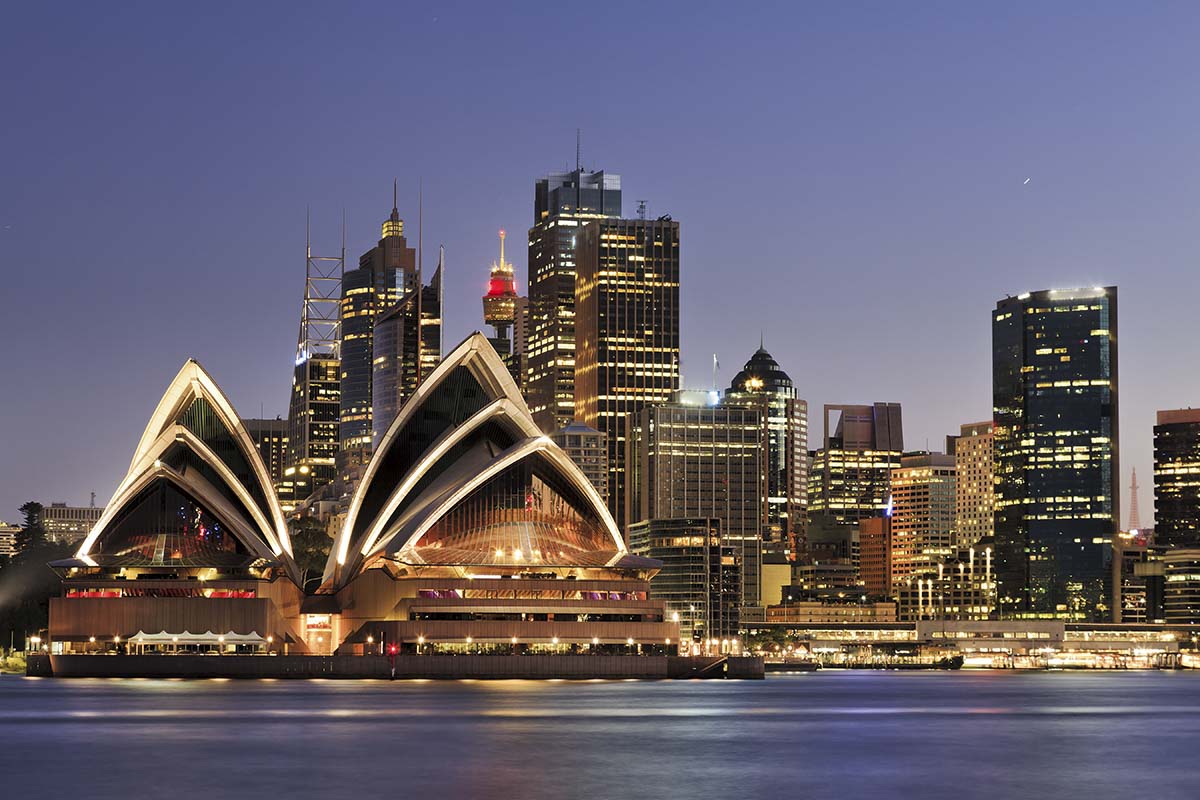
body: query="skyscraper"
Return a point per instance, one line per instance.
(688, 461)
(316, 383)
(627, 331)
(1054, 389)
(1177, 478)
(764, 385)
(850, 477)
(975, 486)
(406, 348)
(500, 311)
(922, 515)
(271, 437)
(386, 274)
(563, 202)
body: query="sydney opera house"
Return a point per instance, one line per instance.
(470, 532)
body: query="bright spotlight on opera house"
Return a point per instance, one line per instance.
(470, 533)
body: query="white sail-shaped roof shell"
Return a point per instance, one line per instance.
(438, 450)
(256, 520)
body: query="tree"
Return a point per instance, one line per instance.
(28, 583)
(310, 547)
(33, 530)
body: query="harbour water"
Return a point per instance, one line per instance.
(837, 734)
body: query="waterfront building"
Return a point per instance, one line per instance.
(922, 513)
(8, 539)
(626, 332)
(695, 462)
(763, 384)
(470, 531)
(271, 437)
(1177, 478)
(193, 539)
(959, 587)
(66, 524)
(563, 202)
(589, 450)
(1055, 390)
(700, 581)
(386, 274)
(850, 478)
(1036, 643)
(974, 506)
(809, 612)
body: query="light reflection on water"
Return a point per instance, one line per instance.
(829, 734)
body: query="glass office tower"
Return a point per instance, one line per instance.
(1054, 389)
(563, 202)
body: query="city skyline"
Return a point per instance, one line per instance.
(1110, 210)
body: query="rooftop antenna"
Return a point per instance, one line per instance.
(394, 204)
(716, 366)
(93, 503)
(420, 227)
(761, 346)
(578, 148)
(641, 209)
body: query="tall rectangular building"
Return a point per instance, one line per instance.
(386, 274)
(563, 202)
(271, 437)
(1054, 390)
(406, 349)
(850, 477)
(312, 429)
(975, 485)
(690, 461)
(699, 581)
(626, 331)
(1177, 478)
(922, 516)
(315, 400)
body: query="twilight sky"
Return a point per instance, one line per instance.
(849, 179)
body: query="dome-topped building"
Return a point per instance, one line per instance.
(762, 383)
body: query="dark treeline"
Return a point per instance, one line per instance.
(26, 582)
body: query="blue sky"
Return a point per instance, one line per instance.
(849, 178)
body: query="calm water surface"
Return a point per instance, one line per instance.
(830, 734)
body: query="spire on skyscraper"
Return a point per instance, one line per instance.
(1135, 518)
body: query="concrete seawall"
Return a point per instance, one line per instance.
(448, 667)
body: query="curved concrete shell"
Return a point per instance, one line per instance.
(463, 476)
(197, 472)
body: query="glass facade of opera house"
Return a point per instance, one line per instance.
(469, 532)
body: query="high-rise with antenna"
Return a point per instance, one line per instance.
(316, 387)
(386, 275)
(563, 202)
(406, 340)
(500, 311)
